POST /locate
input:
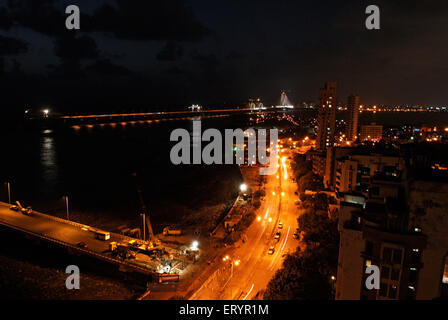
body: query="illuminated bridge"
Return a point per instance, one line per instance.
(78, 121)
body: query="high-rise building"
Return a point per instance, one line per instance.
(349, 169)
(326, 119)
(400, 228)
(353, 114)
(371, 132)
(409, 245)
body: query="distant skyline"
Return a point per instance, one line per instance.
(174, 52)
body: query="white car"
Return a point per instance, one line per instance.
(277, 236)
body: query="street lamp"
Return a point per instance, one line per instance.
(236, 263)
(9, 192)
(143, 215)
(243, 187)
(194, 245)
(66, 207)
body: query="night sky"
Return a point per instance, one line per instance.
(144, 54)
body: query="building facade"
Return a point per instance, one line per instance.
(404, 236)
(353, 115)
(350, 169)
(371, 132)
(326, 119)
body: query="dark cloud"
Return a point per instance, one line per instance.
(209, 59)
(170, 52)
(233, 55)
(147, 20)
(254, 49)
(39, 15)
(72, 51)
(10, 46)
(70, 47)
(174, 71)
(105, 67)
(6, 21)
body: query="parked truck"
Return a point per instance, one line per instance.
(168, 231)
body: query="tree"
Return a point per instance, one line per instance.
(299, 279)
(259, 193)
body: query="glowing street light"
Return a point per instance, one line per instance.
(258, 218)
(194, 245)
(243, 187)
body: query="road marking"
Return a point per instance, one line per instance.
(286, 238)
(144, 295)
(266, 215)
(249, 291)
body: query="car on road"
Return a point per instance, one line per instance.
(82, 244)
(296, 235)
(271, 250)
(277, 235)
(14, 208)
(280, 225)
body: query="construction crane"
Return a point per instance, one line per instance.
(146, 223)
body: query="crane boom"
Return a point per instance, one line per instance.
(145, 212)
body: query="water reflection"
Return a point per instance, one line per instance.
(49, 169)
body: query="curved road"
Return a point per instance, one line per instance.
(252, 266)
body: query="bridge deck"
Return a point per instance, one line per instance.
(64, 233)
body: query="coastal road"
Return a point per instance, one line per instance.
(252, 266)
